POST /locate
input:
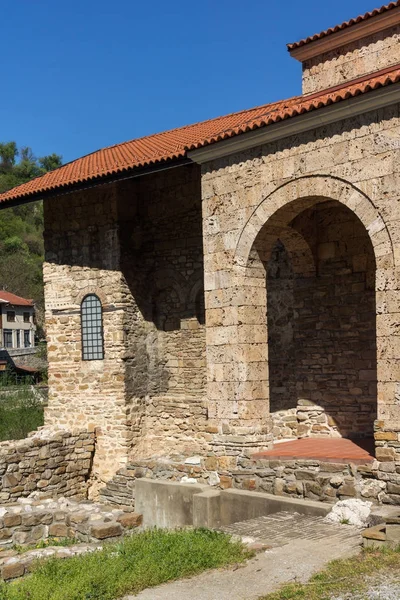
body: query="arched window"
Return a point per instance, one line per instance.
(92, 328)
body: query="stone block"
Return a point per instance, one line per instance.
(305, 475)
(102, 531)
(393, 533)
(225, 482)
(347, 489)
(12, 570)
(385, 454)
(12, 520)
(378, 532)
(59, 530)
(36, 518)
(130, 520)
(386, 436)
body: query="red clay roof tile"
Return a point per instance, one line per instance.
(365, 17)
(174, 144)
(14, 299)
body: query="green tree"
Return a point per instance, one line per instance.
(21, 227)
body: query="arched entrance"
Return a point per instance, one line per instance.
(321, 318)
(303, 279)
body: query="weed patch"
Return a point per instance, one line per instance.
(138, 562)
(20, 413)
(345, 578)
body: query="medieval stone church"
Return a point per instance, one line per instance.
(218, 289)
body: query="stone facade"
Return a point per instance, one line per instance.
(363, 56)
(144, 260)
(250, 299)
(49, 462)
(252, 199)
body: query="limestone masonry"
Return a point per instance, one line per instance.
(247, 293)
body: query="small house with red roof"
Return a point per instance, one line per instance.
(17, 321)
(230, 290)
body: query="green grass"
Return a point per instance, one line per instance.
(353, 575)
(138, 562)
(20, 413)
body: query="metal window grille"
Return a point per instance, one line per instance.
(92, 328)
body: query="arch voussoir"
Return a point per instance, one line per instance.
(305, 192)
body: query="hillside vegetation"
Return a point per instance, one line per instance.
(21, 227)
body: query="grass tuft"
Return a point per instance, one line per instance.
(138, 562)
(345, 576)
(20, 413)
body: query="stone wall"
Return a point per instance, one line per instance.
(377, 480)
(49, 462)
(137, 245)
(162, 262)
(30, 522)
(82, 256)
(350, 61)
(347, 163)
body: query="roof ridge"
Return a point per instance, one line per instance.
(368, 15)
(190, 125)
(159, 133)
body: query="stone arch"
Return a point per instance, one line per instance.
(195, 286)
(97, 292)
(243, 400)
(295, 196)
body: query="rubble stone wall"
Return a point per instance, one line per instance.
(82, 256)
(49, 462)
(162, 262)
(137, 245)
(377, 480)
(352, 60)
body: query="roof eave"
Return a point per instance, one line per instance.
(331, 41)
(363, 103)
(61, 190)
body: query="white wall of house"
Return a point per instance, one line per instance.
(17, 326)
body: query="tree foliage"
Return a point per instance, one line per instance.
(21, 227)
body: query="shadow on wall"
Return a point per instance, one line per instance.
(162, 262)
(322, 326)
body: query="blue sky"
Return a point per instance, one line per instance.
(82, 74)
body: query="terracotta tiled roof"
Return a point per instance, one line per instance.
(368, 15)
(175, 144)
(13, 299)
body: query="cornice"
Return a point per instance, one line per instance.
(346, 36)
(320, 117)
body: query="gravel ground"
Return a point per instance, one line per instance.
(377, 590)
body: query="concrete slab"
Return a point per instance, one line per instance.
(172, 504)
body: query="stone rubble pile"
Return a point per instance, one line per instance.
(13, 564)
(29, 521)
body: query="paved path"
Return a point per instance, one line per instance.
(300, 546)
(283, 528)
